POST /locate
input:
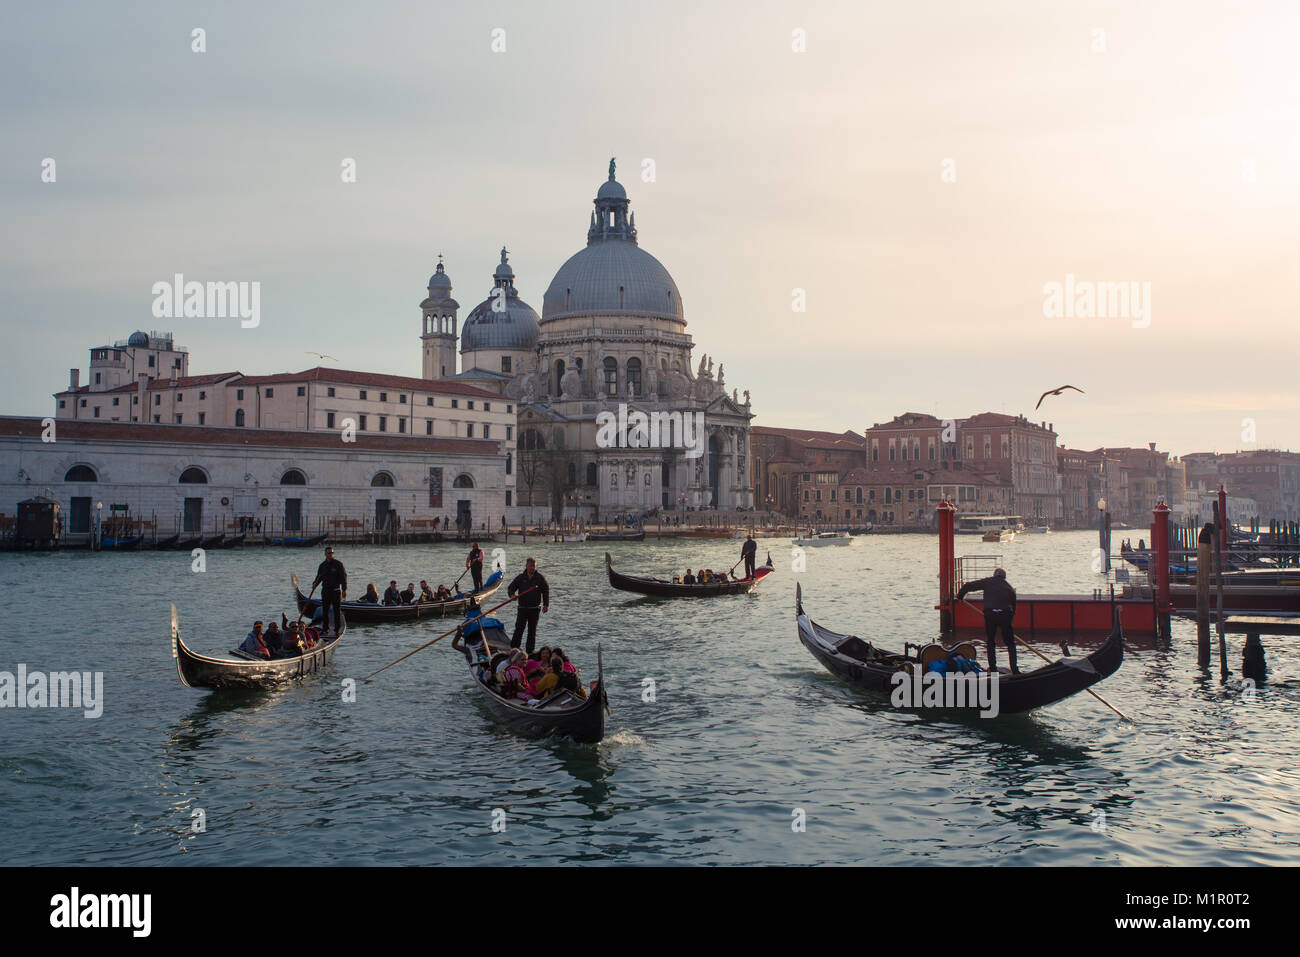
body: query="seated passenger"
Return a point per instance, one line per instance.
(443, 593)
(408, 595)
(426, 593)
(547, 684)
(371, 597)
(255, 644)
(689, 579)
(559, 653)
(569, 682)
(294, 640)
(392, 596)
(274, 639)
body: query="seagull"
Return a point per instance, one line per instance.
(319, 355)
(1057, 392)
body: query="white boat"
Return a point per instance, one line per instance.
(822, 539)
(983, 524)
(1037, 530)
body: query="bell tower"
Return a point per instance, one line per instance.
(438, 327)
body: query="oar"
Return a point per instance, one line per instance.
(452, 632)
(1049, 661)
(456, 583)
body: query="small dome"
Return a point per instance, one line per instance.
(514, 327)
(139, 339)
(439, 279)
(611, 189)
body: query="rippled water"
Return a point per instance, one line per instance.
(746, 729)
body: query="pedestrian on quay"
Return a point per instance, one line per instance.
(534, 598)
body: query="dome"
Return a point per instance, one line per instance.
(139, 339)
(515, 327)
(611, 189)
(613, 276)
(440, 279)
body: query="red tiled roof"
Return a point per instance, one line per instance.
(377, 379)
(182, 382)
(214, 435)
(921, 420)
(812, 438)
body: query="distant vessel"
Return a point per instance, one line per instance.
(1037, 530)
(822, 539)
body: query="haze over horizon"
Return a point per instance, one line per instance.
(921, 173)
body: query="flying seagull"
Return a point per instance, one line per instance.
(1057, 392)
(319, 355)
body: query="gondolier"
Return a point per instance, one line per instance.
(999, 610)
(534, 598)
(748, 551)
(474, 562)
(333, 579)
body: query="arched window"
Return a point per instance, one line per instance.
(530, 440)
(611, 375)
(573, 474)
(381, 480)
(634, 375)
(559, 374)
(81, 473)
(194, 476)
(293, 477)
(509, 462)
(591, 473)
(239, 417)
(463, 481)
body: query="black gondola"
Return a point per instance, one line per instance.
(187, 544)
(658, 588)
(360, 611)
(212, 541)
(202, 671)
(564, 713)
(296, 542)
(233, 542)
(616, 536)
(168, 542)
(860, 663)
(110, 544)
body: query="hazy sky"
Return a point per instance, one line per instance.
(1164, 150)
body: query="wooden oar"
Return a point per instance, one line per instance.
(456, 583)
(452, 632)
(1049, 661)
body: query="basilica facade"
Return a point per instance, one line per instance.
(610, 342)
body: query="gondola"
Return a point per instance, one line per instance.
(616, 536)
(296, 542)
(860, 663)
(364, 612)
(109, 544)
(659, 588)
(234, 542)
(563, 714)
(164, 543)
(187, 544)
(212, 541)
(241, 671)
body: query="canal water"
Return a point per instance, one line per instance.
(748, 752)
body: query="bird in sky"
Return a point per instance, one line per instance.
(1058, 392)
(319, 355)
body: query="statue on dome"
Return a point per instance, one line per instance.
(611, 167)
(699, 373)
(746, 397)
(709, 372)
(720, 382)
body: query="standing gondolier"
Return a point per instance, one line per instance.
(474, 562)
(999, 610)
(748, 551)
(333, 579)
(537, 600)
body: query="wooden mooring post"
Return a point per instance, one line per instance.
(1203, 544)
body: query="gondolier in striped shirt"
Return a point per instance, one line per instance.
(333, 579)
(474, 562)
(999, 610)
(748, 551)
(534, 598)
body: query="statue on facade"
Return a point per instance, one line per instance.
(709, 372)
(699, 373)
(720, 381)
(746, 397)
(570, 384)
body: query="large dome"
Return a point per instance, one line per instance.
(612, 276)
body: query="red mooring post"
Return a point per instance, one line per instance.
(947, 564)
(1160, 535)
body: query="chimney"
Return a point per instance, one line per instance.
(1151, 446)
(74, 379)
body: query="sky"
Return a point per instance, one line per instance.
(916, 175)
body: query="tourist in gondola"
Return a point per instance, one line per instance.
(748, 552)
(999, 611)
(535, 598)
(333, 579)
(443, 593)
(474, 562)
(426, 593)
(295, 642)
(274, 639)
(255, 643)
(408, 593)
(689, 579)
(371, 597)
(391, 595)
(547, 683)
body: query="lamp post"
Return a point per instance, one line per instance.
(99, 519)
(1103, 534)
